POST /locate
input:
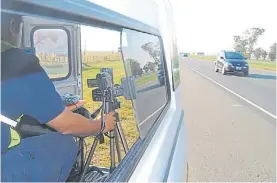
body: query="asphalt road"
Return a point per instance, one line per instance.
(228, 139)
(259, 87)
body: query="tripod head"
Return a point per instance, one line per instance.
(104, 87)
(106, 92)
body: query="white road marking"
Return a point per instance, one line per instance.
(246, 100)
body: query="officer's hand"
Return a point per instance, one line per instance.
(110, 122)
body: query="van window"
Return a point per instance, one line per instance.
(143, 60)
(52, 49)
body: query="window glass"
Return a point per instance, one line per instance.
(142, 55)
(100, 49)
(52, 50)
(233, 55)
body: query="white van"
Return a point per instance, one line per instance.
(75, 39)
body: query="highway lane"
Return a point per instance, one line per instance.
(228, 139)
(259, 87)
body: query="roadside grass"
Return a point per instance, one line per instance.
(263, 64)
(257, 64)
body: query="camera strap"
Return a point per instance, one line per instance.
(15, 137)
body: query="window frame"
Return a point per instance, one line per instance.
(69, 61)
(168, 85)
(128, 164)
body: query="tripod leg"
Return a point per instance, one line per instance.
(89, 159)
(112, 152)
(122, 137)
(117, 145)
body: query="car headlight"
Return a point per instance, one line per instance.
(246, 64)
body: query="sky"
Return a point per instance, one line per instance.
(201, 25)
(209, 25)
(93, 37)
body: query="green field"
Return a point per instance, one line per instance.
(257, 64)
(211, 58)
(126, 111)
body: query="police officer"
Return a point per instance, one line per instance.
(26, 89)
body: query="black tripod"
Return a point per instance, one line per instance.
(114, 136)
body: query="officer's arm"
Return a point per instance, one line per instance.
(75, 124)
(41, 101)
(71, 123)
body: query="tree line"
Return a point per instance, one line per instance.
(247, 44)
(154, 53)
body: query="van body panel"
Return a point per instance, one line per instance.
(178, 168)
(161, 160)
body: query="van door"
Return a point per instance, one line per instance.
(58, 46)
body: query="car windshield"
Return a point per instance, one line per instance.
(233, 55)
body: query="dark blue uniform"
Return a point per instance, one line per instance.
(26, 89)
